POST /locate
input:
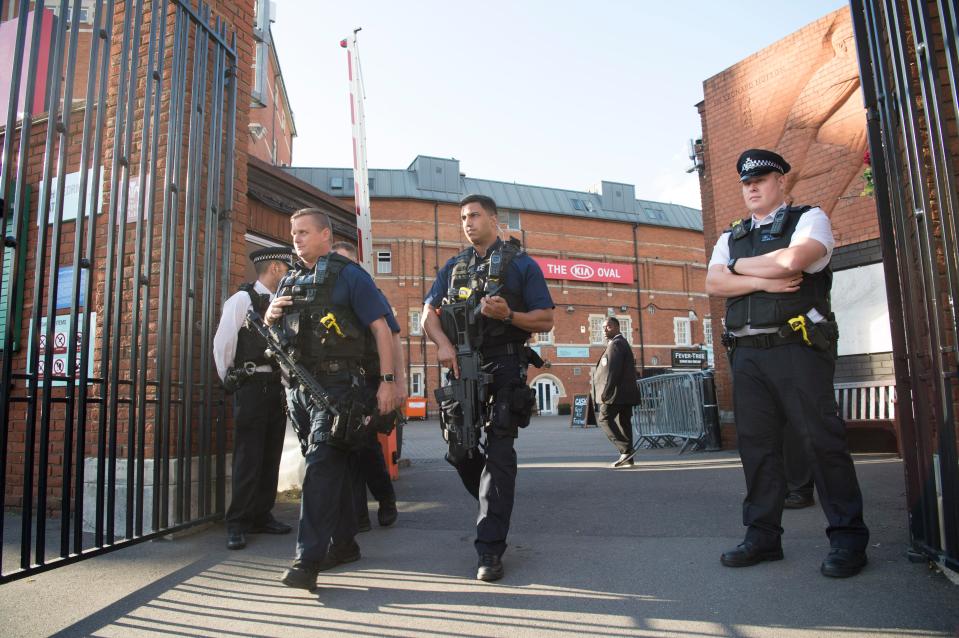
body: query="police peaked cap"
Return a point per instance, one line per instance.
(757, 161)
(272, 254)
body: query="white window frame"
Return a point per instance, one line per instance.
(415, 329)
(682, 325)
(545, 338)
(417, 373)
(384, 266)
(512, 215)
(708, 332)
(597, 338)
(626, 327)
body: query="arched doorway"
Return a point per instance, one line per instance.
(548, 389)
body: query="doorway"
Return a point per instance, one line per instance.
(547, 396)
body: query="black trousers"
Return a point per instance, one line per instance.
(490, 474)
(326, 507)
(371, 472)
(257, 447)
(617, 422)
(791, 386)
(797, 463)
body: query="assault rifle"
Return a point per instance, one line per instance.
(463, 401)
(279, 348)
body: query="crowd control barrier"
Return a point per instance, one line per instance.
(680, 406)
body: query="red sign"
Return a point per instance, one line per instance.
(585, 270)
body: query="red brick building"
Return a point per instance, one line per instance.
(801, 97)
(416, 228)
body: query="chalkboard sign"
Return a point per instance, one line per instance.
(581, 416)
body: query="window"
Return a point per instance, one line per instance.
(544, 337)
(512, 220)
(577, 204)
(336, 183)
(652, 213)
(596, 334)
(415, 328)
(84, 16)
(626, 327)
(681, 331)
(384, 262)
(416, 383)
(708, 331)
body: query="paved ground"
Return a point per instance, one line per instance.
(593, 553)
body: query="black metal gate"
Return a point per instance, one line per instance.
(117, 177)
(910, 78)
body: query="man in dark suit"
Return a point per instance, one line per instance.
(614, 392)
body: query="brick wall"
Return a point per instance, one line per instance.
(800, 97)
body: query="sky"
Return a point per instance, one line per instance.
(560, 94)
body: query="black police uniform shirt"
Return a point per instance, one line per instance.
(523, 274)
(813, 224)
(390, 317)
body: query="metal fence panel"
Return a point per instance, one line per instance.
(108, 432)
(670, 405)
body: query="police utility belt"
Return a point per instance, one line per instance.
(800, 329)
(236, 376)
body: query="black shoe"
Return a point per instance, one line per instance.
(272, 526)
(748, 554)
(387, 513)
(490, 568)
(798, 500)
(302, 575)
(339, 555)
(235, 539)
(363, 523)
(843, 563)
(625, 460)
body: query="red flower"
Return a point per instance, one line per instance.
(866, 159)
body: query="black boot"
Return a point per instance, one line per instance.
(386, 514)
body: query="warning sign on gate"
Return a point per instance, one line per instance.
(59, 367)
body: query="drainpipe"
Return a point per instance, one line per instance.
(639, 306)
(426, 393)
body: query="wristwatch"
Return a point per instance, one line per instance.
(731, 264)
(389, 378)
(509, 319)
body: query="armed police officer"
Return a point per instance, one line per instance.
(773, 270)
(490, 298)
(258, 413)
(335, 320)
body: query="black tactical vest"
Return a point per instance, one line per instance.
(250, 346)
(308, 321)
(772, 310)
(481, 276)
